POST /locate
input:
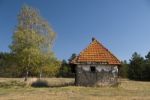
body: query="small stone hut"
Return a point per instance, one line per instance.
(95, 66)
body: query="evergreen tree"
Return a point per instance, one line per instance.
(136, 67)
(65, 69)
(146, 71)
(72, 57)
(123, 69)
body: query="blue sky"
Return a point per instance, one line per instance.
(123, 26)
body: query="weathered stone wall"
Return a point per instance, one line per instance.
(104, 75)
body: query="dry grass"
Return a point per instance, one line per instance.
(128, 90)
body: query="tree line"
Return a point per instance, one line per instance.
(9, 67)
(138, 67)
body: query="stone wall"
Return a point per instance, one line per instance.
(103, 75)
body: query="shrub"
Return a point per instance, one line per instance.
(40, 83)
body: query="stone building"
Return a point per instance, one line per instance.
(95, 66)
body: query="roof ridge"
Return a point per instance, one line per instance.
(87, 46)
(106, 49)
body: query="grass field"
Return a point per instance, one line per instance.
(127, 90)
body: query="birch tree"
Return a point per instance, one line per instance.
(32, 40)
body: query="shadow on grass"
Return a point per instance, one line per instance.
(62, 85)
(43, 83)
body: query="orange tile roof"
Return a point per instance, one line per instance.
(96, 53)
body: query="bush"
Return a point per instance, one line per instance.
(40, 83)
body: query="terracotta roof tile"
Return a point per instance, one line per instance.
(96, 52)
